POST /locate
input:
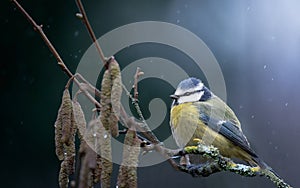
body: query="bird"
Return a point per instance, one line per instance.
(197, 113)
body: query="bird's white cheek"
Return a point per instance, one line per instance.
(191, 98)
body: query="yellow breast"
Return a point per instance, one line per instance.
(186, 125)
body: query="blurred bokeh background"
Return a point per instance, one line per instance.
(256, 43)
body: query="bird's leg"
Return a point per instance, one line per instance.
(185, 160)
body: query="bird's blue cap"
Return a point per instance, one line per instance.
(189, 83)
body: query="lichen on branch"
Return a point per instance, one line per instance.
(221, 163)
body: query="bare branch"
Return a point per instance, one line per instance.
(90, 30)
(55, 53)
(90, 87)
(39, 29)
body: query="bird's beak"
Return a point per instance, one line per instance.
(174, 96)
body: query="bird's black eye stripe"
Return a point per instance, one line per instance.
(189, 93)
(175, 97)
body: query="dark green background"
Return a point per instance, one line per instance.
(256, 43)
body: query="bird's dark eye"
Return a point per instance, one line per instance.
(188, 93)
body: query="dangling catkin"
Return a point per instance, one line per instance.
(128, 170)
(59, 148)
(79, 119)
(70, 147)
(88, 164)
(63, 121)
(65, 130)
(106, 155)
(106, 100)
(116, 93)
(98, 169)
(66, 117)
(63, 178)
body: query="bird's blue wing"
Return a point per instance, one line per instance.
(229, 130)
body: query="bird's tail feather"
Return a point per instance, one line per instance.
(266, 169)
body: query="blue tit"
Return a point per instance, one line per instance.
(197, 113)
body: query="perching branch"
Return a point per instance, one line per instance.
(221, 163)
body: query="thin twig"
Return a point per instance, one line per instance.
(39, 29)
(90, 87)
(144, 128)
(137, 75)
(62, 65)
(135, 98)
(90, 30)
(69, 82)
